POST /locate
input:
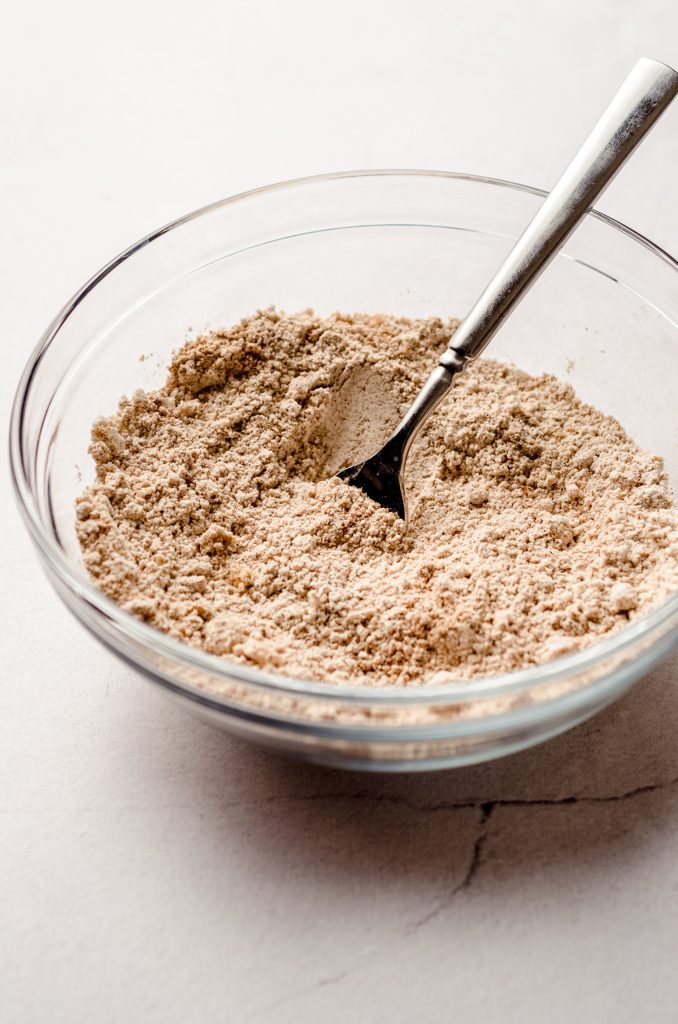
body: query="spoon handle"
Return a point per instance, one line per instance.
(641, 100)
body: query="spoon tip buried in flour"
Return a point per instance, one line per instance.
(380, 477)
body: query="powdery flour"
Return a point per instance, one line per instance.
(537, 526)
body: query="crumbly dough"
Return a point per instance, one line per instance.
(537, 525)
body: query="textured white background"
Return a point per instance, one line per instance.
(151, 870)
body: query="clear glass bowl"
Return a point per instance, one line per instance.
(605, 317)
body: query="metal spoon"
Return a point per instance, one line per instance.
(641, 100)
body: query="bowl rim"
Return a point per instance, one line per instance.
(535, 677)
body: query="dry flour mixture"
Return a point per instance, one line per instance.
(537, 525)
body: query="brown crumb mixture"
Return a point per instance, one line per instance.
(537, 525)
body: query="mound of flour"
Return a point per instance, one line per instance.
(537, 525)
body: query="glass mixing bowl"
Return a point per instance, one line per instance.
(604, 316)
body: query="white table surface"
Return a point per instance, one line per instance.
(154, 870)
